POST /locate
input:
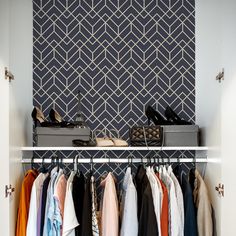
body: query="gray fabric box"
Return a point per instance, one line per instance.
(181, 135)
(57, 137)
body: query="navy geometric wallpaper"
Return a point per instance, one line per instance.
(121, 54)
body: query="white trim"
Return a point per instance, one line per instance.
(185, 148)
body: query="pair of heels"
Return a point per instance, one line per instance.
(56, 119)
(171, 117)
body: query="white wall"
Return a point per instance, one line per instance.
(208, 91)
(228, 12)
(4, 117)
(216, 49)
(21, 58)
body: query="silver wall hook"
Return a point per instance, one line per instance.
(8, 75)
(221, 76)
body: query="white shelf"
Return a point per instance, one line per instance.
(117, 160)
(114, 148)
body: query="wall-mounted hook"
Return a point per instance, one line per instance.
(221, 76)
(8, 75)
(221, 190)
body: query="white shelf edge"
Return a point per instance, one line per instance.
(186, 148)
(117, 160)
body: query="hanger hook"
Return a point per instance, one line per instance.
(91, 166)
(60, 161)
(75, 162)
(195, 161)
(53, 160)
(32, 162)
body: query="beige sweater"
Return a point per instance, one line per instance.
(203, 205)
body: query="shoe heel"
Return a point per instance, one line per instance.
(35, 123)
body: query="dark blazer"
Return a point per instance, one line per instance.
(78, 199)
(190, 220)
(86, 225)
(147, 218)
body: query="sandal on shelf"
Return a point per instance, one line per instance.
(115, 137)
(104, 141)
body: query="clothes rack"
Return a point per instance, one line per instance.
(118, 160)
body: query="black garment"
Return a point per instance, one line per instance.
(178, 171)
(147, 218)
(78, 198)
(43, 204)
(192, 177)
(190, 221)
(147, 222)
(86, 226)
(214, 222)
(140, 186)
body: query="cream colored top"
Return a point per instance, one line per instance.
(203, 204)
(110, 214)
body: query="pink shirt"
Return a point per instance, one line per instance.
(110, 214)
(60, 192)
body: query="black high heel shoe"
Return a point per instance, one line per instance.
(157, 118)
(173, 117)
(38, 117)
(56, 118)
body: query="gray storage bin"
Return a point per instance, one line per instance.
(181, 135)
(57, 137)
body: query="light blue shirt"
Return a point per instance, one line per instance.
(57, 217)
(129, 225)
(48, 224)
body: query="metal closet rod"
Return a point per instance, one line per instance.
(117, 160)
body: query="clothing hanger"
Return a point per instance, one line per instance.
(169, 162)
(163, 169)
(91, 165)
(44, 169)
(130, 159)
(157, 164)
(32, 163)
(74, 166)
(192, 173)
(75, 162)
(142, 159)
(57, 163)
(154, 162)
(52, 163)
(61, 166)
(150, 161)
(194, 162)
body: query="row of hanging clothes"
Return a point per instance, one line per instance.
(153, 199)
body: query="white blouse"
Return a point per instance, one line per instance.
(129, 226)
